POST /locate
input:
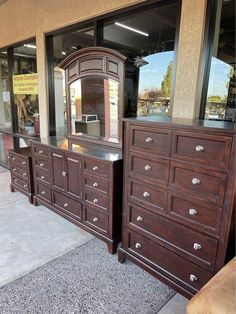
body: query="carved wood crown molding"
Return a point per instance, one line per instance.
(2, 1)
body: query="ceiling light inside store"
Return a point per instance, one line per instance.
(30, 46)
(74, 47)
(131, 29)
(63, 53)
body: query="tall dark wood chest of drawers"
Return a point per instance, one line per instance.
(179, 189)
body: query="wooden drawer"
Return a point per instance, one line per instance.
(207, 184)
(147, 196)
(43, 192)
(194, 213)
(149, 170)
(167, 262)
(96, 199)
(96, 167)
(42, 175)
(96, 183)
(96, 219)
(42, 163)
(17, 169)
(213, 150)
(150, 140)
(18, 159)
(67, 205)
(191, 244)
(40, 150)
(24, 184)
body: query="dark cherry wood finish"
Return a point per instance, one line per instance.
(179, 189)
(21, 171)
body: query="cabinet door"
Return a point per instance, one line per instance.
(58, 170)
(73, 170)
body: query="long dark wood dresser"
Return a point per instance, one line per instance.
(179, 189)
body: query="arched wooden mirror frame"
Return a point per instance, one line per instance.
(95, 61)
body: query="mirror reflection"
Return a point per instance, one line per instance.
(94, 108)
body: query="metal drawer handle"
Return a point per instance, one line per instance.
(197, 246)
(24, 174)
(23, 163)
(41, 164)
(13, 158)
(192, 211)
(63, 173)
(138, 245)
(192, 278)
(66, 205)
(146, 194)
(199, 148)
(15, 180)
(43, 192)
(25, 185)
(95, 168)
(40, 151)
(42, 177)
(196, 181)
(95, 219)
(149, 140)
(95, 184)
(139, 218)
(14, 169)
(95, 201)
(147, 168)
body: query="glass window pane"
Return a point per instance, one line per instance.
(220, 104)
(6, 143)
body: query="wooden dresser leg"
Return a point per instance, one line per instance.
(31, 199)
(112, 248)
(121, 256)
(35, 203)
(12, 188)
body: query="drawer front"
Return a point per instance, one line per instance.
(67, 205)
(152, 140)
(211, 149)
(42, 163)
(18, 159)
(96, 167)
(96, 199)
(40, 150)
(191, 244)
(16, 168)
(147, 196)
(43, 192)
(24, 184)
(209, 185)
(143, 169)
(167, 262)
(96, 183)
(96, 220)
(202, 217)
(42, 175)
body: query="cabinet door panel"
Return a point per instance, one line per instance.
(73, 166)
(57, 170)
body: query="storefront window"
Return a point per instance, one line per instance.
(6, 143)
(148, 40)
(5, 104)
(25, 89)
(221, 93)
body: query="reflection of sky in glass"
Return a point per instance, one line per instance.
(219, 77)
(152, 74)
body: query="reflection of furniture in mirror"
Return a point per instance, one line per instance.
(94, 84)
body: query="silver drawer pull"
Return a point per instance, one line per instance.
(192, 211)
(95, 184)
(146, 194)
(15, 180)
(41, 164)
(23, 163)
(138, 245)
(42, 177)
(13, 158)
(196, 181)
(14, 169)
(149, 140)
(95, 168)
(24, 174)
(197, 246)
(95, 201)
(199, 148)
(147, 168)
(40, 151)
(63, 173)
(139, 218)
(192, 278)
(95, 219)
(25, 185)
(66, 205)
(43, 192)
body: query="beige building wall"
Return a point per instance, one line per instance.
(23, 19)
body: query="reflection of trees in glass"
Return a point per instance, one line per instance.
(166, 83)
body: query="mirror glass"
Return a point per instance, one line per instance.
(94, 108)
